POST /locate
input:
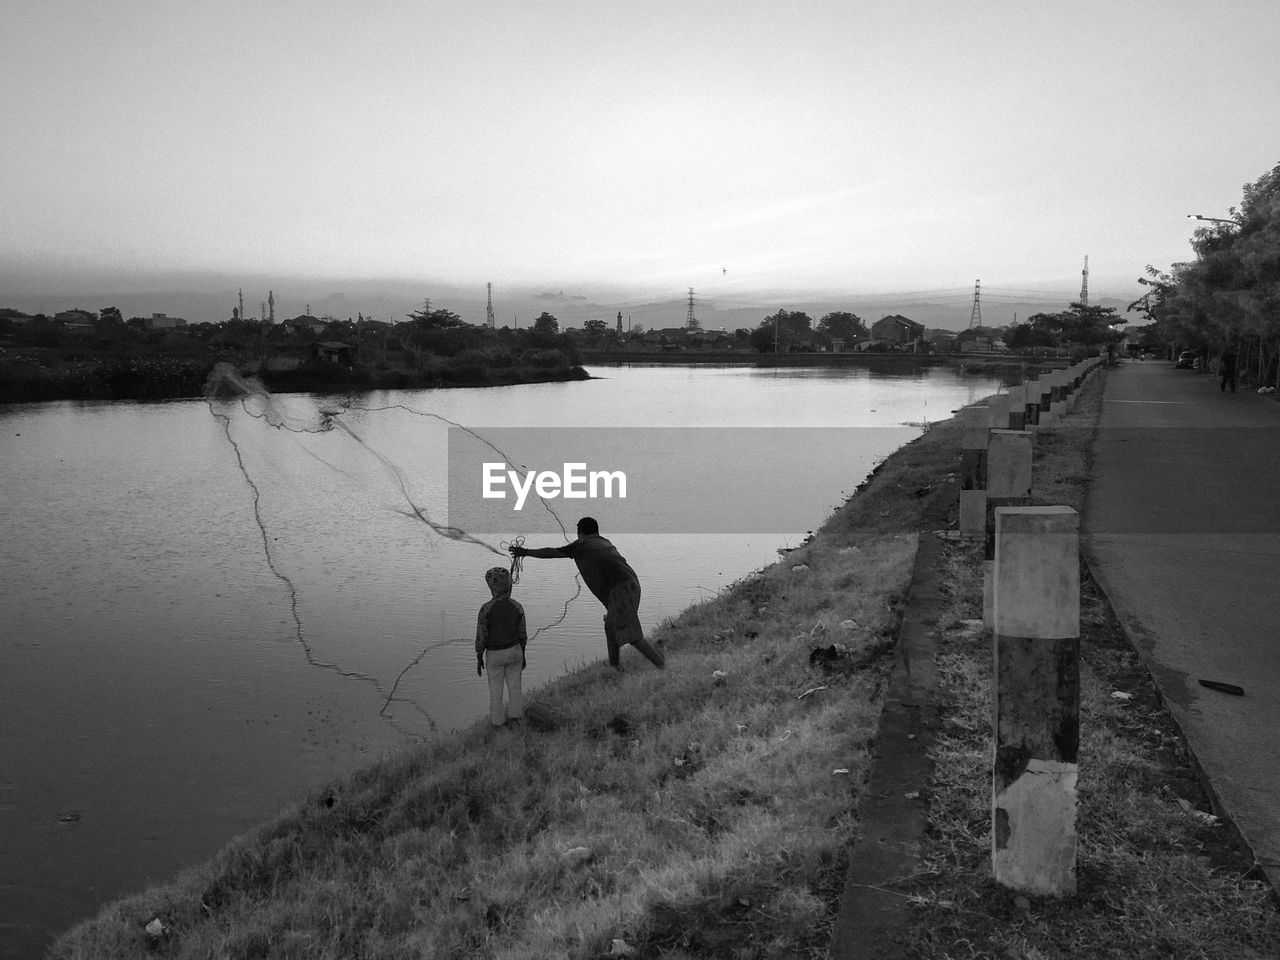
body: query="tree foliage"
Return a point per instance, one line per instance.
(428, 319)
(1080, 324)
(842, 325)
(546, 323)
(1230, 293)
(781, 329)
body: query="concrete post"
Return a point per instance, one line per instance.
(1037, 699)
(1077, 381)
(1058, 394)
(1009, 464)
(1009, 454)
(998, 411)
(973, 471)
(1017, 407)
(1043, 415)
(1032, 407)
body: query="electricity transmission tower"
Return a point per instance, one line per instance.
(975, 315)
(489, 307)
(1084, 282)
(691, 321)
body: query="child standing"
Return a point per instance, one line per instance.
(500, 643)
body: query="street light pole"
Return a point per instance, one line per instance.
(1196, 216)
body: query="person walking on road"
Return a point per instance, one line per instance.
(610, 578)
(1227, 368)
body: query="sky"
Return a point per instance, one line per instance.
(735, 147)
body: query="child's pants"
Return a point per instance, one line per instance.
(505, 667)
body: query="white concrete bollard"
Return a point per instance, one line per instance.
(1060, 383)
(1009, 466)
(1017, 407)
(998, 412)
(1045, 386)
(1009, 462)
(1037, 699)
(973, 471)
(1032, 396)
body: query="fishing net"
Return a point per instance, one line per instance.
(232, 397)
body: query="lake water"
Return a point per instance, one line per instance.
(203, 618)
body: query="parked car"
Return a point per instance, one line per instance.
(1186, 360)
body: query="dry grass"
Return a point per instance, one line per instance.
(1156, 879)
(704, 811)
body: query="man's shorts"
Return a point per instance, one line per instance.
(622, 624)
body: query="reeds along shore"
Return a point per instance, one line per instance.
(692, 811)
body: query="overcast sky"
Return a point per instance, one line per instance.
(728, 146)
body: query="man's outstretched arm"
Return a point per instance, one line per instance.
(542, 553)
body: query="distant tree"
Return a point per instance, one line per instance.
(546, 323)
(781, 329)
(761, 339)
(1080, 324)
(595, 330)
(842, 325)
(1092, 325)
(110, 315)
(429, 319)
(1039, 330)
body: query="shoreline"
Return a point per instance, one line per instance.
(130, 380)
(714, 806)
(760, 633)
(860, 359)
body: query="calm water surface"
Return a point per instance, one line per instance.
(187, 647)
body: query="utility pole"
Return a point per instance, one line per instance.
(975, 315)
(1084, 282)
(242, 303)
(489, 308)
(271, 304)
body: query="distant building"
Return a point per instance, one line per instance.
(333, 351)
(76, 318)
(16, 317)
(898, 329)
(980, 340)
(162, 321)
(304, 323)
(943, 341)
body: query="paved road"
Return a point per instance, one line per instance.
(1182, 527)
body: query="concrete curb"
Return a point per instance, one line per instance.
(1269, 871)
(872, 919)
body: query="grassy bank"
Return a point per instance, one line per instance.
(701, 811)
(706, 811)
